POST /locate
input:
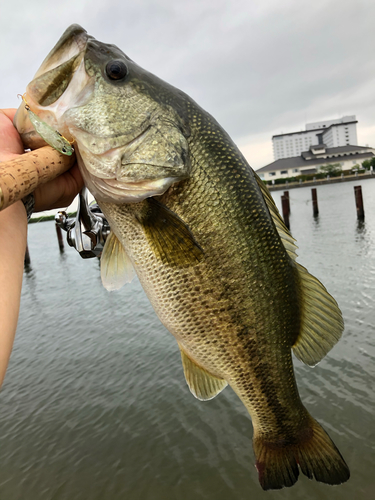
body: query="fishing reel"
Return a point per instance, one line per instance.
(88, 231)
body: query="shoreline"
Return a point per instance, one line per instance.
(276, 187)
(319, 182)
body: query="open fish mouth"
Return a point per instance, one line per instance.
(60, 82)
(72, 42)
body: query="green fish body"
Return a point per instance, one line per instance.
(207, 243)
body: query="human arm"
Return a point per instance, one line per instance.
(59, 192)
(13, 234)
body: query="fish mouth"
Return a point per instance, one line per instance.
(60, 81)
(72, 42)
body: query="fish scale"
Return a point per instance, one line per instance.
(237, 301)
(206, 241)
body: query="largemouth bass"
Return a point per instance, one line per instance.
(204, 236)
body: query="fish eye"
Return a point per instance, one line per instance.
(116, 70)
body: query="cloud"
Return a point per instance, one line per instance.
(258, 67)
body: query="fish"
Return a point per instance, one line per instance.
(191, 218)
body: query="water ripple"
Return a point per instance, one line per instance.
(95, 405)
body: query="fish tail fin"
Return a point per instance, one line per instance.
(313, 452)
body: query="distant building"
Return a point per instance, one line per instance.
(332, 133)
(309, 162)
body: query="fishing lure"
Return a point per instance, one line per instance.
(49, 134)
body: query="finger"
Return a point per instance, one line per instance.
(60, 192)
(25, 173)
(9, 112)
(10, 141)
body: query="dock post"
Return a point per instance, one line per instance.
(359, 202)
(286, 194)
(314, 197)
(59, 237)
(27, 256)
(284, 204)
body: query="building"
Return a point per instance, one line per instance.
(310, 161)
(332, 133)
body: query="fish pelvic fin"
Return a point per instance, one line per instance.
(170, 238)
(202, 384)
(321, 320)
(313, 452)
(116, 268)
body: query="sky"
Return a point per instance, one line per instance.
(260, 67)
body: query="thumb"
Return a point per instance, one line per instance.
(10, 140)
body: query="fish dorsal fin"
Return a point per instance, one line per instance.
(201, 384)
(321, 320)
(116, 268)
(170, 238)
(286, 237)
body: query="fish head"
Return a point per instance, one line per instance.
(129, 127)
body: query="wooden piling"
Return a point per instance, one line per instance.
(285, 209)
(359, 202)
(27, 256)
(314, 197)
(286, 194)
(59, 237)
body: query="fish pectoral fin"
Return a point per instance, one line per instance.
(170, 238)
(202, 384)
(321, 320)
(116, 268)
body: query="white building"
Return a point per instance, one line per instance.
(309, 162)
(332, 133)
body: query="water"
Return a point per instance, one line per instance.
(95, 406)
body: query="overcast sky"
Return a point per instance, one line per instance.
(260, 67)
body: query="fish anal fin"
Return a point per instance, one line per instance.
(202, 384)
(312, 451)
(116, 268)
(321, 320)
(170, 238)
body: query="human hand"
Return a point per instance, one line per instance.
(58, 193)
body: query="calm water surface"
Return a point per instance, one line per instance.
(95, 405)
